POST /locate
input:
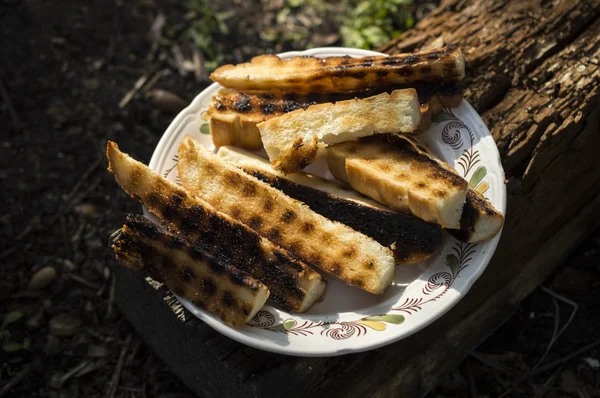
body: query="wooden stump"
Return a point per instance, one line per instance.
(533, 74)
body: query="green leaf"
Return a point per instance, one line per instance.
(442, 117)
(204, 129)
(452, 262)
(11, 346)
(478, 176)
(283, 15)
(375, 35)
(11, 317)
(26, 343)
(396, 319)
(295, 3)
(290, 323)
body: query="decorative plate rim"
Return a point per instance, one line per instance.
(166, 142)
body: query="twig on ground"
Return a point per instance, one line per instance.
(72, 372)
(556, 334)
(178, 58)
(551, 365)
(15, 380)
(199, 70)
(546, 386)
(20, 295)
(66, 204)
(35, 220)
(136, 87)
(499, 379)
(153, 80)
(83, 281)
(111, 297)
(114, 382)
(91, 187)
(472, 385)
(9, 105)
(66, 240)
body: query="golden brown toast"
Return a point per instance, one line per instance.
(480, 220)
(213, 285)
(295, 139)
(293, 285)
(269, 73)
(412, 240)
(233, 116)
(387, 168)
(330, 246)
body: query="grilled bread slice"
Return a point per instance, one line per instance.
(480, 220)
(293, 285)
(269, 73)
(412, 240)
(387, 168)
(292, 141)
(233, 116)
(332, 247)
(215, 286)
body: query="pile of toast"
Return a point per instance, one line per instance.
(242, 229)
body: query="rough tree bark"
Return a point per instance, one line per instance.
(533, 74)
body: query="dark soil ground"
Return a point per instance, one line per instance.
(65, 66)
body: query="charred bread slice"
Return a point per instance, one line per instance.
(293, 140)
(213, 285)
(233, 116)
(330, 246)
(294, 286)
(480, 220)
(269, 73)
(387, 168)
(412, 240)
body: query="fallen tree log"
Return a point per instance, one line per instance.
(533, 74)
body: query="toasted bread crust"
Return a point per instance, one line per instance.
(412, 240)
(217, 287)
(269, 73)
(289, 223)
(233, 116)
(480, 220)
(293, 140)
(388, 169)
(293, 285)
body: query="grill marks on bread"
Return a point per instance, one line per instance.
(393, 171)
(293, 285)
(306, 234)
(268, 73)
(411, 239)
(219, 288)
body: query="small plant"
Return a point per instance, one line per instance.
(206, 28)
(8, 345)
(371, 23)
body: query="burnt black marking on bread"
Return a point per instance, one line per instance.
(471, 213)
(267, 109)
(243, 105)
(201, 228)
(288, 216)
(414, 237)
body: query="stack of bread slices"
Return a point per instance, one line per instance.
(243, 229)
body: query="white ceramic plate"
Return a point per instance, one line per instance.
(349, 320)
